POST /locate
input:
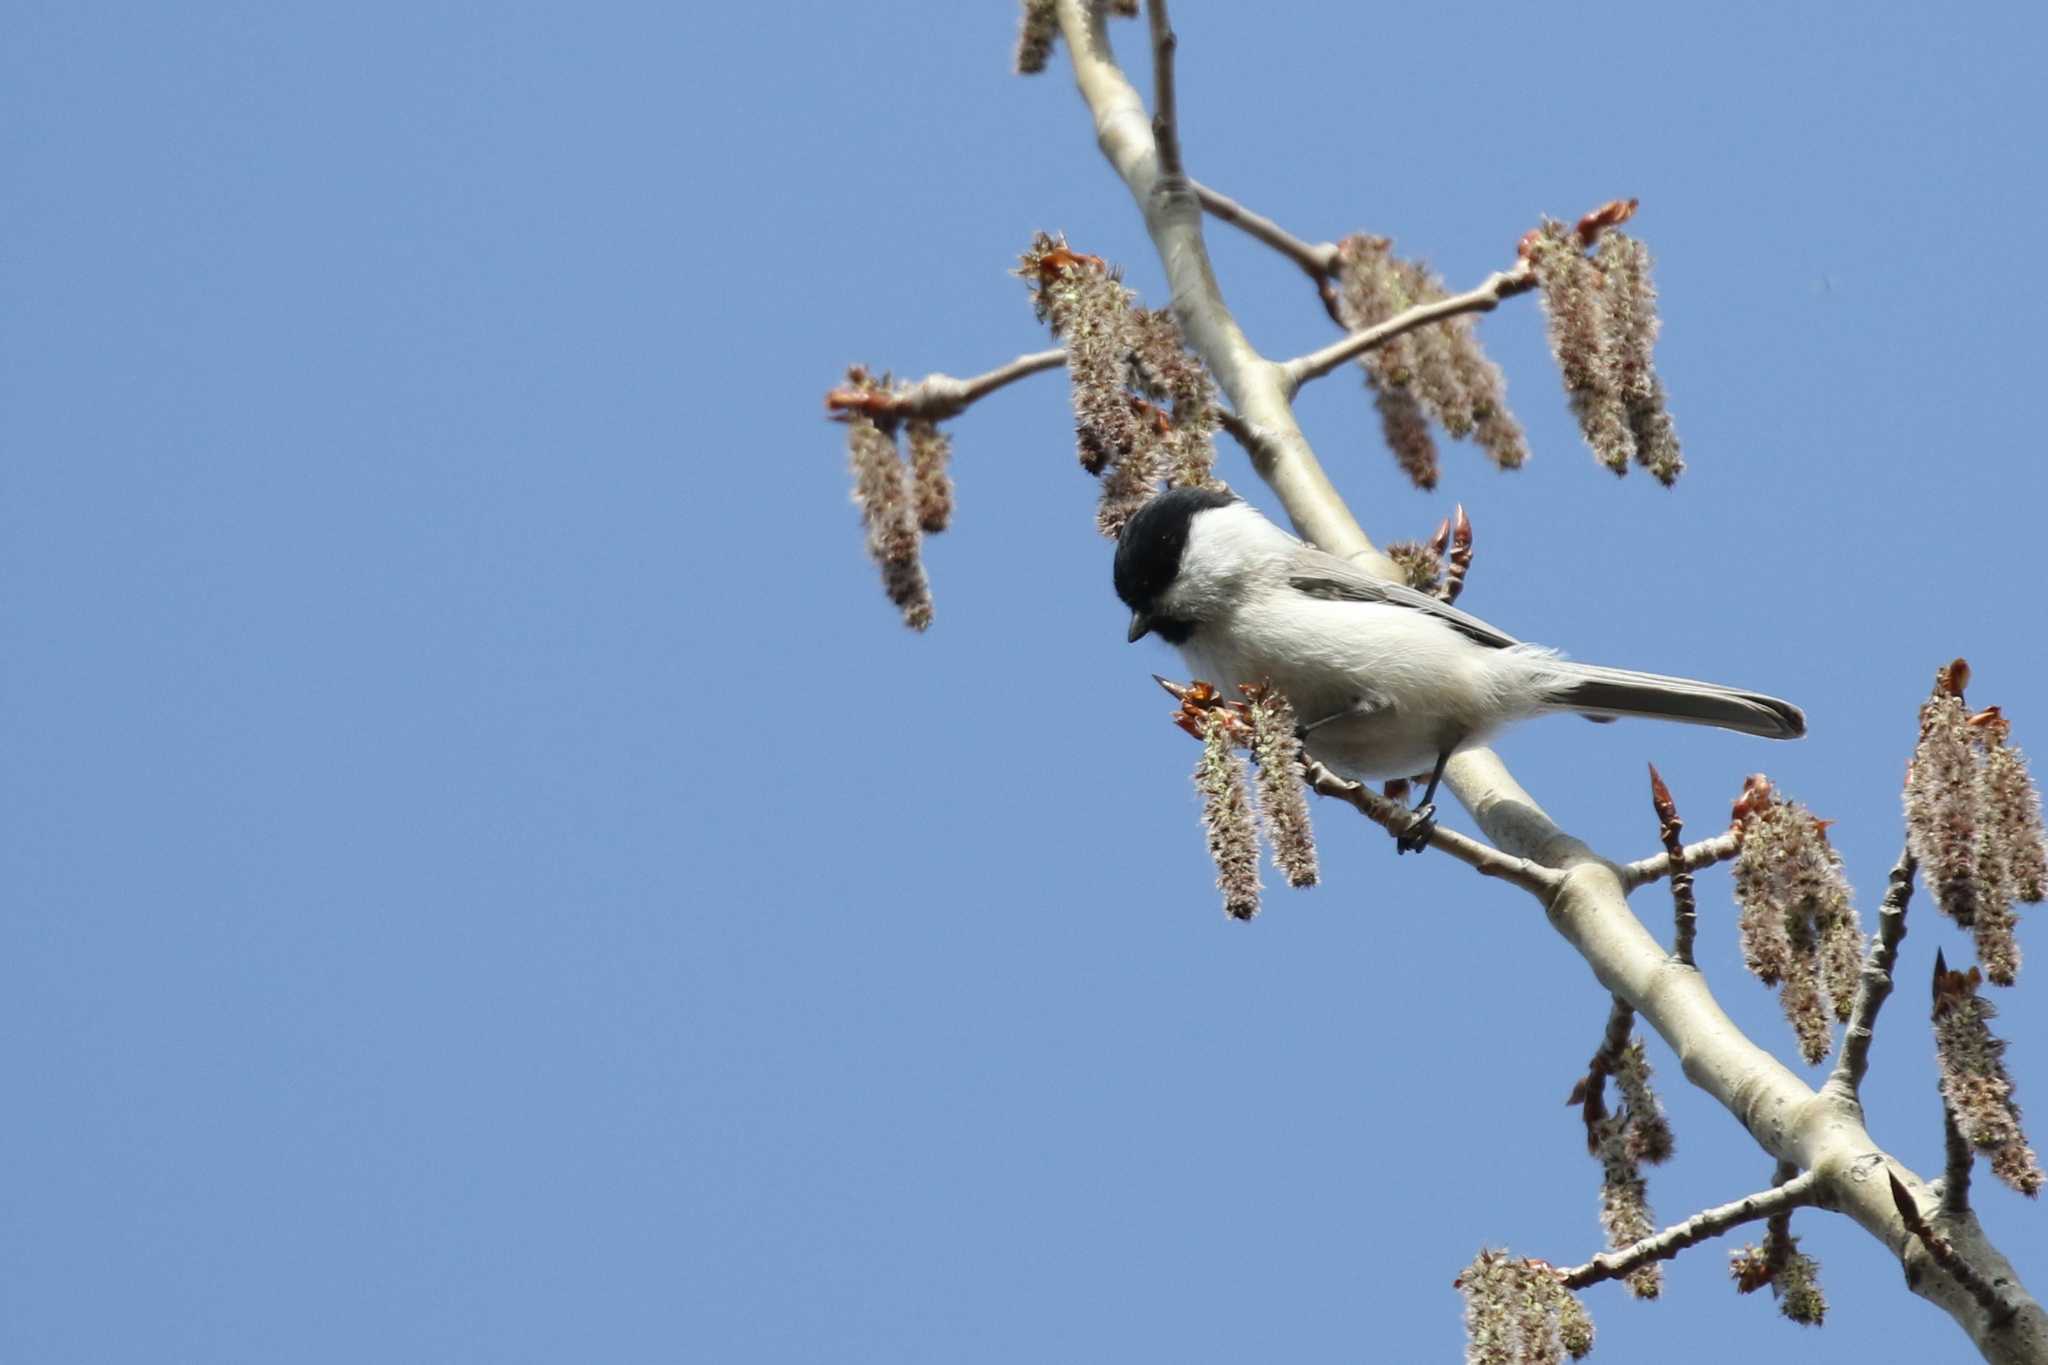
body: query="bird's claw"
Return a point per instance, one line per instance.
(1415, 838)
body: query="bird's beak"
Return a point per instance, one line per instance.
(1141, 626)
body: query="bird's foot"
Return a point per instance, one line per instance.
(1415, 838)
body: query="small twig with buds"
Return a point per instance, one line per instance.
(1945, 1255)
(1690, 858)
(1684, 907)
(1438, 565)
(1797, 1192)
(1519, 278)
(937, 397)
(1454, 534)
(1397, 820)
(1874, 985)
(1590, 1094)
(1633, 1135)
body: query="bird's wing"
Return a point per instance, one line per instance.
(1317, 573)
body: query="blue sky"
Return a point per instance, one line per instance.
(487, 879)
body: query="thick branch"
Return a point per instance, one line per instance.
(1395, 818)
(1691, 858)
(1875, 983)
(1612, 1265)
(1588, 905)
(1500, 285)
(939, 396)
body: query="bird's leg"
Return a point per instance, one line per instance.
(1416, 837)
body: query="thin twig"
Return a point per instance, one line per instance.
(1955, 1176)
(1591, 1091)
(939, 396)
(1685, 919)
(1948, 1258)
(1258, 443)
(1777, 1245)
(1691, 858)
(1317, 259)
(1874, 984)
(1165, 123)
(1519, 279)
(1612, 1265)
(1396, 819)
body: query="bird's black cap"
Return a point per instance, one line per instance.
(1149, 551)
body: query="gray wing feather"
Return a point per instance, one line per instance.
(1317, 573)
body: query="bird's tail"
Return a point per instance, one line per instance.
(1604, 692)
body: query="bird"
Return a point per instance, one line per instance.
(1384, 681)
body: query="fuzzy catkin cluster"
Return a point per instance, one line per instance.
(1625, 1215)
(1165, 370)
(1227, 817)
(1635, 1135)
(1602, 314)
(896, 500)
(1422, 568)
(1799, 929)
(1517, 1312)
(1264, 724)
(931, 478)
(1437, 371)
(1794, 1277)
(1040, 25)
(1974, 1083)
(1283, 800)
(1144, 408)
(1973, 819)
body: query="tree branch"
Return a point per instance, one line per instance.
(1317, 259)
(1165, 126)
(1502, 284)
(1591, 1091)
(1948, 1258)
(1589, 905)
(1685, 917)
(1874, 985)
(939, 396)
(1612, 1265)
(1393, 817)
(1956, 1159)
(1691, 858)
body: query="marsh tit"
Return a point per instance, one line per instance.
(1385, 681)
